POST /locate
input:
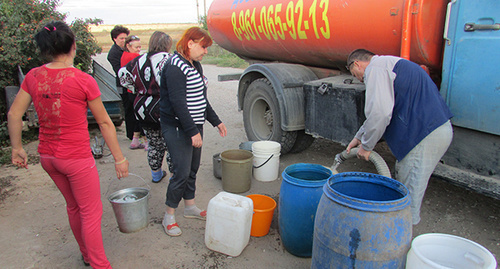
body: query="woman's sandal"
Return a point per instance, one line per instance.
(163, 174)
(202, 215)
(172, 229)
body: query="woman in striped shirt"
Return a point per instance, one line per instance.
(184, 107)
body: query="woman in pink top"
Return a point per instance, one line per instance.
(61, 95)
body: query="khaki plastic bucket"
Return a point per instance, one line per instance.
(266, 160)
(236, 170)
(263, 211)
(130, 206)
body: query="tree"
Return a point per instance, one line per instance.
(203, 22)
(86, 45)
(20, 20)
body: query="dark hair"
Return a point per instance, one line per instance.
(117, 30)
(360, 55)
(196, 34)
(129, 39)
(55, 38)
(159, 42)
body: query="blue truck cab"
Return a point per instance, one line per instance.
(470, 86)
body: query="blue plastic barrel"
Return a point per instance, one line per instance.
(363, 221)
(300, 192)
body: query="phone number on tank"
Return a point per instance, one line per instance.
(280, 22)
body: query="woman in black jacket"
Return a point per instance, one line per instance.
(184, 107)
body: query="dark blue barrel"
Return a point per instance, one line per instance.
(363, 221)
(300, 192)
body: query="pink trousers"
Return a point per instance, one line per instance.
(78, 181)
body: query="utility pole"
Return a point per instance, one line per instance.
(198, 11)
(205, 6)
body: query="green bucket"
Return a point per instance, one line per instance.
(236, 170)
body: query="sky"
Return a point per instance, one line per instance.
(134, 11)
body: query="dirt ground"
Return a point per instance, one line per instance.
(35, 231)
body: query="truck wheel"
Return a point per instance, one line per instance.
(262, 118)
(302, 142)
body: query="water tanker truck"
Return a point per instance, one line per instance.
(297, 87)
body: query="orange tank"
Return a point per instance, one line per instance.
(322, 33)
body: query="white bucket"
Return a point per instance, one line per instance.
(266, 160)
(444, 251)
(229, 221)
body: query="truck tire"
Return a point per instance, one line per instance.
(262, 118)
(302, 142)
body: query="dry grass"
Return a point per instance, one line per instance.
(143, 31)
(216, 55)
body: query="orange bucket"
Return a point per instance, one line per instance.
(263, 211)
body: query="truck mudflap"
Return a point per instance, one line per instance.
(272, 99)
(287, 81)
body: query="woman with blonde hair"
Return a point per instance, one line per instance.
(131, 49)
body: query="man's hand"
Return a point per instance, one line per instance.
(363, 154)
(354, 143)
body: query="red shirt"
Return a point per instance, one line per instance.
(60, 98)
(127, 57)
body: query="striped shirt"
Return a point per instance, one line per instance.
(195, 85)
(183, 96)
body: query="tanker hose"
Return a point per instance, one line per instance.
(374, 158)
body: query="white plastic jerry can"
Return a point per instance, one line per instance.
(229, 221)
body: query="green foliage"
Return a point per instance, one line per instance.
(5, 156)
(4, 142)
(203, 22)
(86, 44)
(4, 134)
(221, 57)
(20, 20)
(5, 151)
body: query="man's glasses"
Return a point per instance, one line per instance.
(134, 37)
(348, 66)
